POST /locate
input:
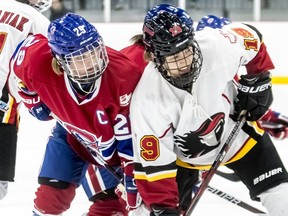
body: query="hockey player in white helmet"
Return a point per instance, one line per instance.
(18, 20)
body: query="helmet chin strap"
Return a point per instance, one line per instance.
(83, 89)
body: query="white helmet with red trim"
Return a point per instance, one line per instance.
(40, 5)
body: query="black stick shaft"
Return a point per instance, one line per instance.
(236, 129)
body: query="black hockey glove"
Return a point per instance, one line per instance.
(160, 211)
(254, 95)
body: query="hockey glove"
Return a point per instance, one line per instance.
(34, 104)
(254, 96)
(160, 211)
(142, 210)
(275, 124)
(129, 192)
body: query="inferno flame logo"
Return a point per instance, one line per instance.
(206, 138)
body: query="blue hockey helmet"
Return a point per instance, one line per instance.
(79, 48)
(212, 21)
(168, 30)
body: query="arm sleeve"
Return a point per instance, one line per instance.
(154, 158)
(247, 41)
(162, 193)
(262, 62)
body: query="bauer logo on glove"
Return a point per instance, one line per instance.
(254, 95)
(33, 102)
(254, 90)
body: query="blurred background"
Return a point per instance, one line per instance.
(117, 21)
(107, 11)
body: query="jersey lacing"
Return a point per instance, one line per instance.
(198, 111)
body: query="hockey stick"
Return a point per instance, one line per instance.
(229, 176)
(211, 189)
(96, 155)
(272, 125)
(235, 200)
(236, 129)
(266, 124)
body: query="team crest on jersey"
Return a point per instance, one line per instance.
(206, 138)
(125, 99)
(87, 139)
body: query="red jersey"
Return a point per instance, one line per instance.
(135, 53)
(100, 122)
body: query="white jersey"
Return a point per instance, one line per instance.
(171, 124)
(17, 21)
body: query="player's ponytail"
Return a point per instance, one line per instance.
(56, 66)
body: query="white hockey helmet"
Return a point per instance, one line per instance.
(40, 5)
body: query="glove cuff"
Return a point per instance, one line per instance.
(160, 211)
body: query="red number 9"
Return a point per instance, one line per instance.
(150, 150)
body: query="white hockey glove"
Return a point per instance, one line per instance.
(142, 210)
(3, 189)
(128, 192)
(160, 211)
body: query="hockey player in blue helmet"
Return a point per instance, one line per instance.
(83, 59)
(87, 86)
